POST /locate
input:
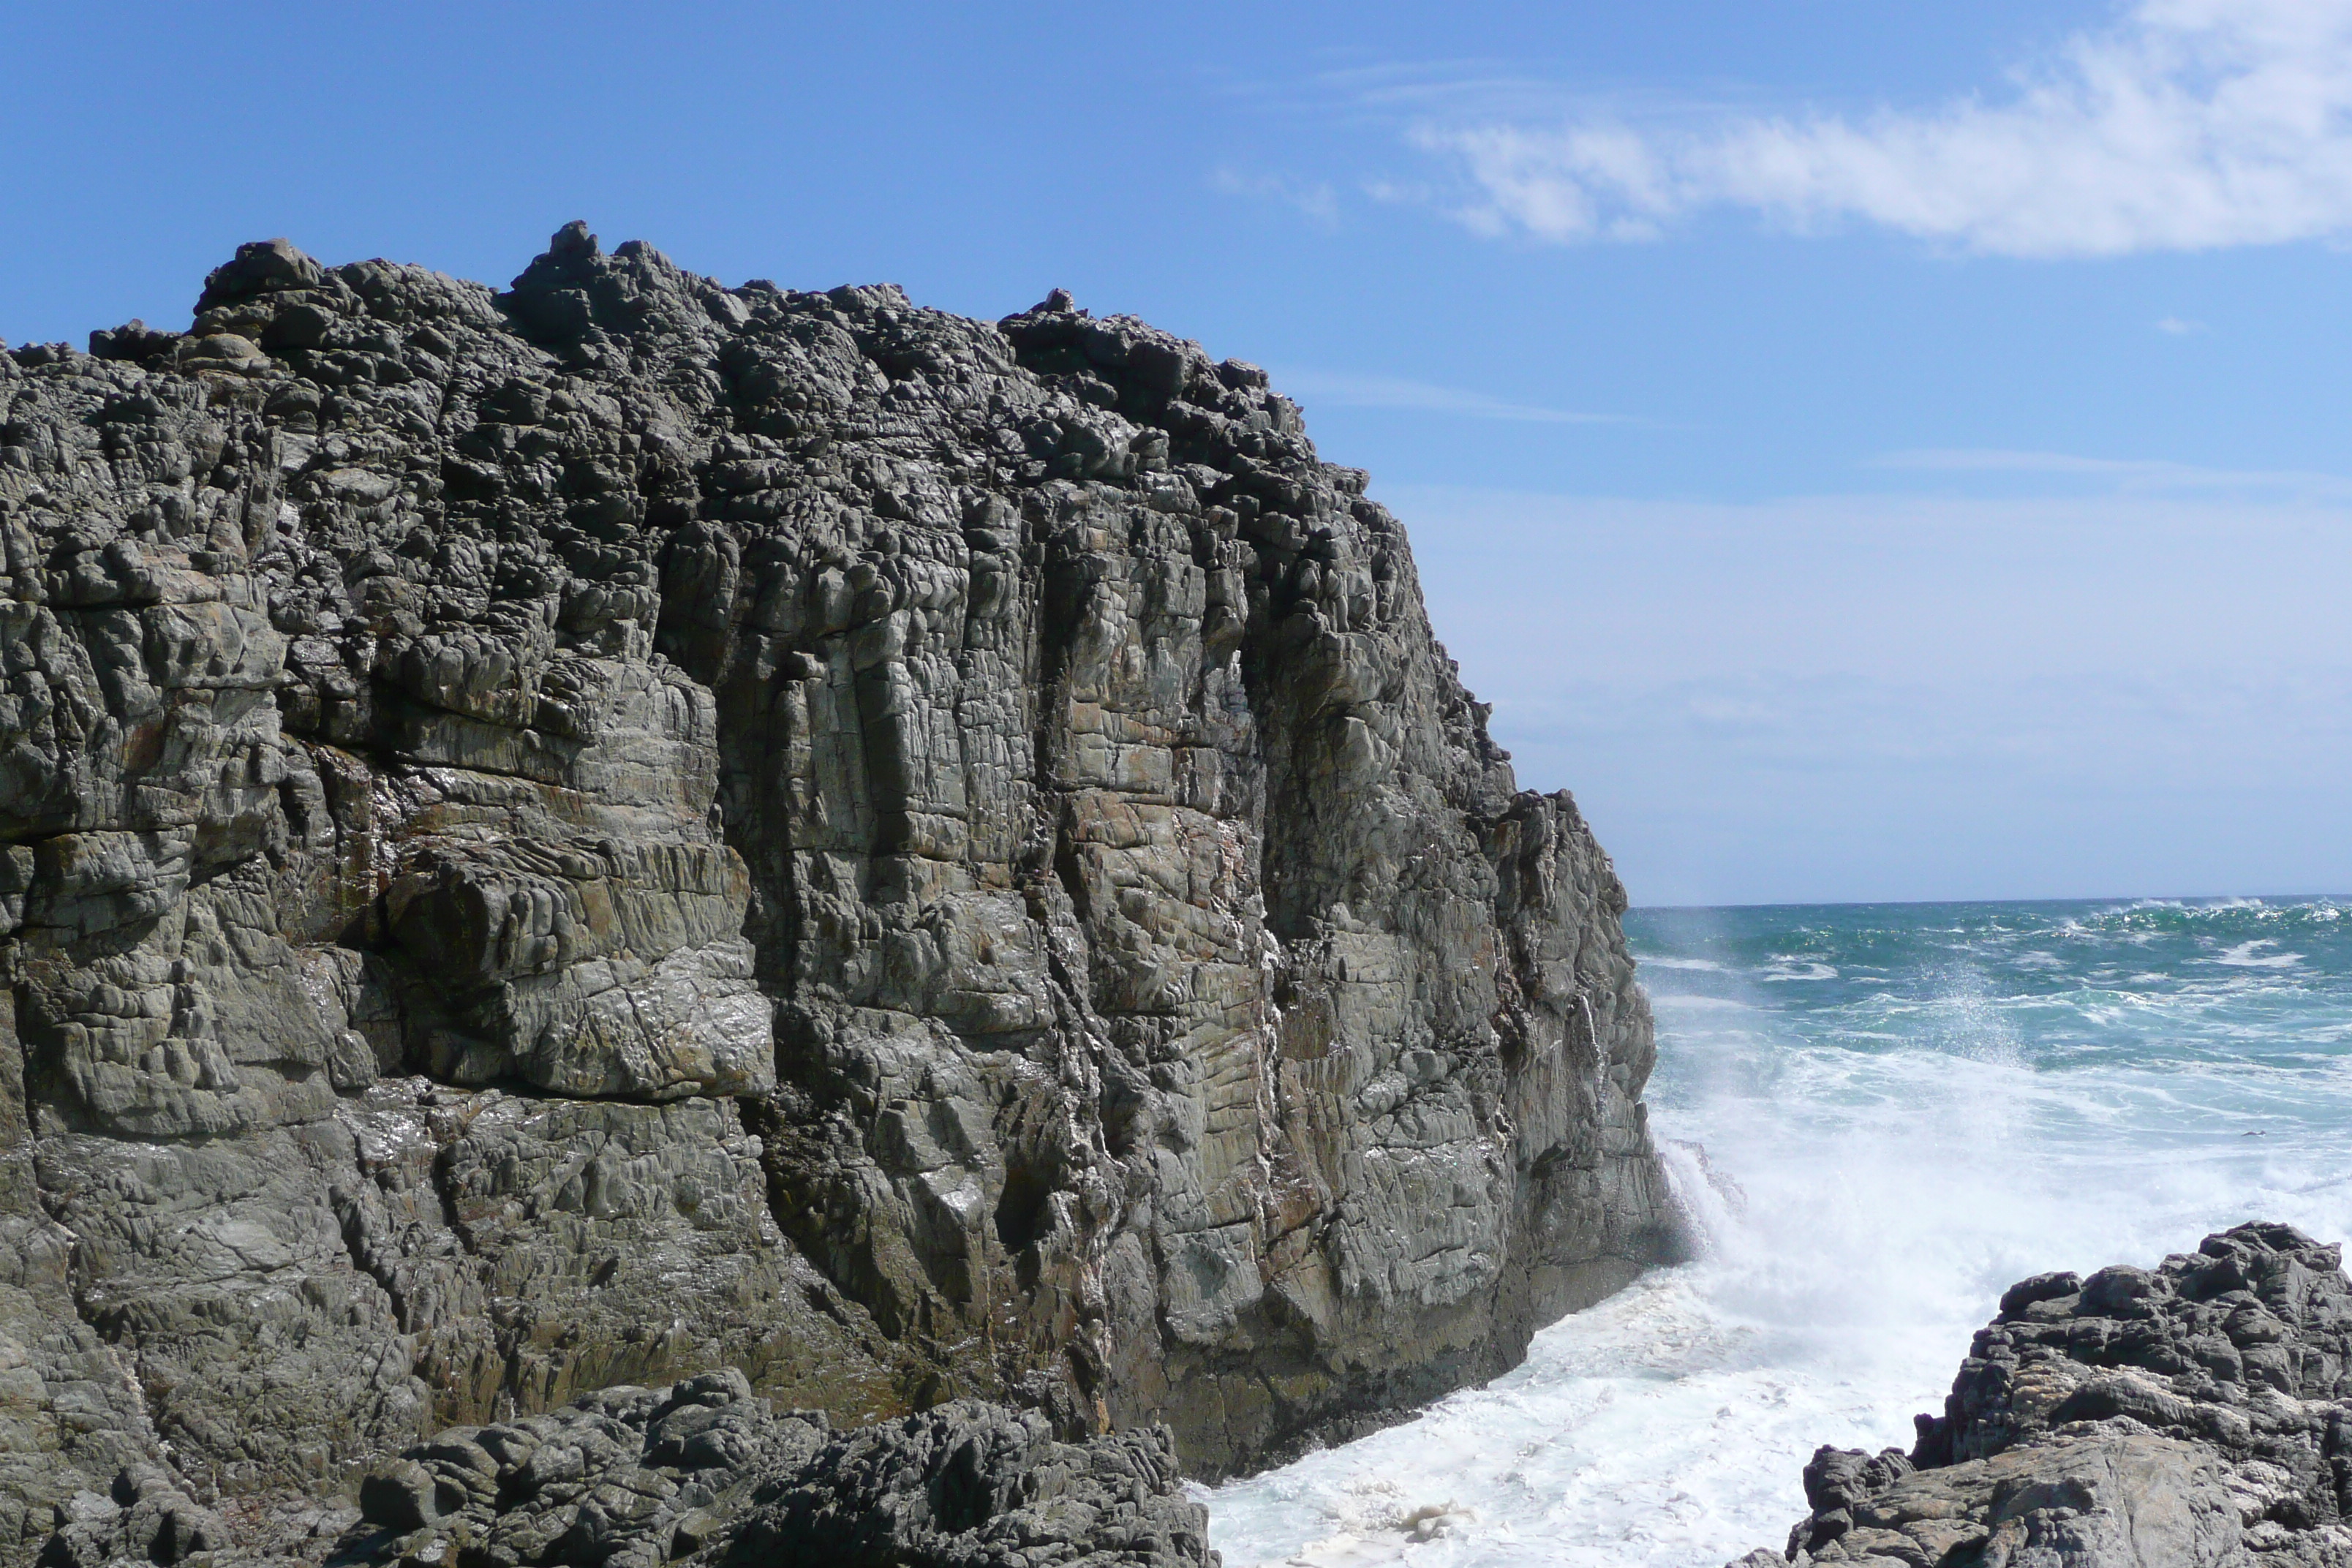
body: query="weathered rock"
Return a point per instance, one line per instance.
(590, 834)
(145, 1519)
(2193, 1415)
(701, 1473)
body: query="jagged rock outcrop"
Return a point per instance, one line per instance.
(2194, 1415)
(588, 835)
(701, 1473)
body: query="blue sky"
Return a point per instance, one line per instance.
(1866, 451)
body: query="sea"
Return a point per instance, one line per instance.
(1903, 1108)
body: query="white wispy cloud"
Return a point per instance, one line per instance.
(2175, 327)
(2150, 475)
(2184, 125)
(1347, 391)
(1316, 199)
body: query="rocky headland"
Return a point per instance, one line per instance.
(2197, 1415)
(645, 919)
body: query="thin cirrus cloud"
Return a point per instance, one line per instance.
(2144, 475)
(2186, 125)
(1316, 200)
(1347, 391)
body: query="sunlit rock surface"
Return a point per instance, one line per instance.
(596, 834)
(2197, 1415)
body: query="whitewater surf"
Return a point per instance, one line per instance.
(1903, 1108)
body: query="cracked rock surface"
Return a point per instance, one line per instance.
(701, 1473)
(589, 835)
(2197, 1415)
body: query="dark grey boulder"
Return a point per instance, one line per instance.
(2197, 1415)
(701, 1473)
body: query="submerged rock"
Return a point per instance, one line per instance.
(2193, 1415)
(587, 834)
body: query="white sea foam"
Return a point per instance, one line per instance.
(1799, 969)
(2243, 956)
(1905, 1152)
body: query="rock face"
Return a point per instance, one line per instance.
(589, 835)
(2195, 1415)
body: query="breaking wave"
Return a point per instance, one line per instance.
(1955, 1097)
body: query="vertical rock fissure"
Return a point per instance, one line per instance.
(909, 856)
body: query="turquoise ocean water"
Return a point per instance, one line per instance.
(1903, 1108)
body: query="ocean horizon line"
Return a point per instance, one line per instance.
(2181, 899)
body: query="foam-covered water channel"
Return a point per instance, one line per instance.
(1905, 1109)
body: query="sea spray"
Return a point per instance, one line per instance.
(1902, 1111)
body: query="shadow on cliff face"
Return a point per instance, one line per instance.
(582, 835)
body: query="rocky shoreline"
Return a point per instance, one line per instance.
(562, 841)
(703, 1473)
(2197, 1415)
(651, 923)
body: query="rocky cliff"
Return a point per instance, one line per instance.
(2197, 1415)
(592, 833)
